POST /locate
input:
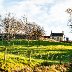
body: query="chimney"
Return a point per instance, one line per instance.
(51, 31)
(63, 32)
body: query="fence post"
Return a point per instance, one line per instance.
(5, 53)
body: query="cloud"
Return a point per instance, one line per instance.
(41, 1)
(1, 4)
(2, 10)
(29, 6)
(48, 13)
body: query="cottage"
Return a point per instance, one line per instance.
(57, 36)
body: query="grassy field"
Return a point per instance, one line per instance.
(21, 53)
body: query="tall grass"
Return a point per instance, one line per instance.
(36, 53)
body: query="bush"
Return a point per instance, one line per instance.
(45, 63)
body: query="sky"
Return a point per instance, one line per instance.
(49, 14)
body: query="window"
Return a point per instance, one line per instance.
(57, 38)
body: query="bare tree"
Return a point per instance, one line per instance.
(69, 11)
(34, 31)
(11, 26)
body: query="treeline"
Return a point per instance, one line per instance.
(14, 26)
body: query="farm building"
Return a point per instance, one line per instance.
(57, 36)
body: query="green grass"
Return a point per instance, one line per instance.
(33, 43)
(18, 53)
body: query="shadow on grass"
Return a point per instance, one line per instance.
(33, 43)
(66, 57)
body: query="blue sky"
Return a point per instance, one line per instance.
(49, 14)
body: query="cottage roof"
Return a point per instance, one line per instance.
(57, 34)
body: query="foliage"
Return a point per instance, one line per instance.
(19, 54)
(13, 26)
(33, 31)
(70, 67)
